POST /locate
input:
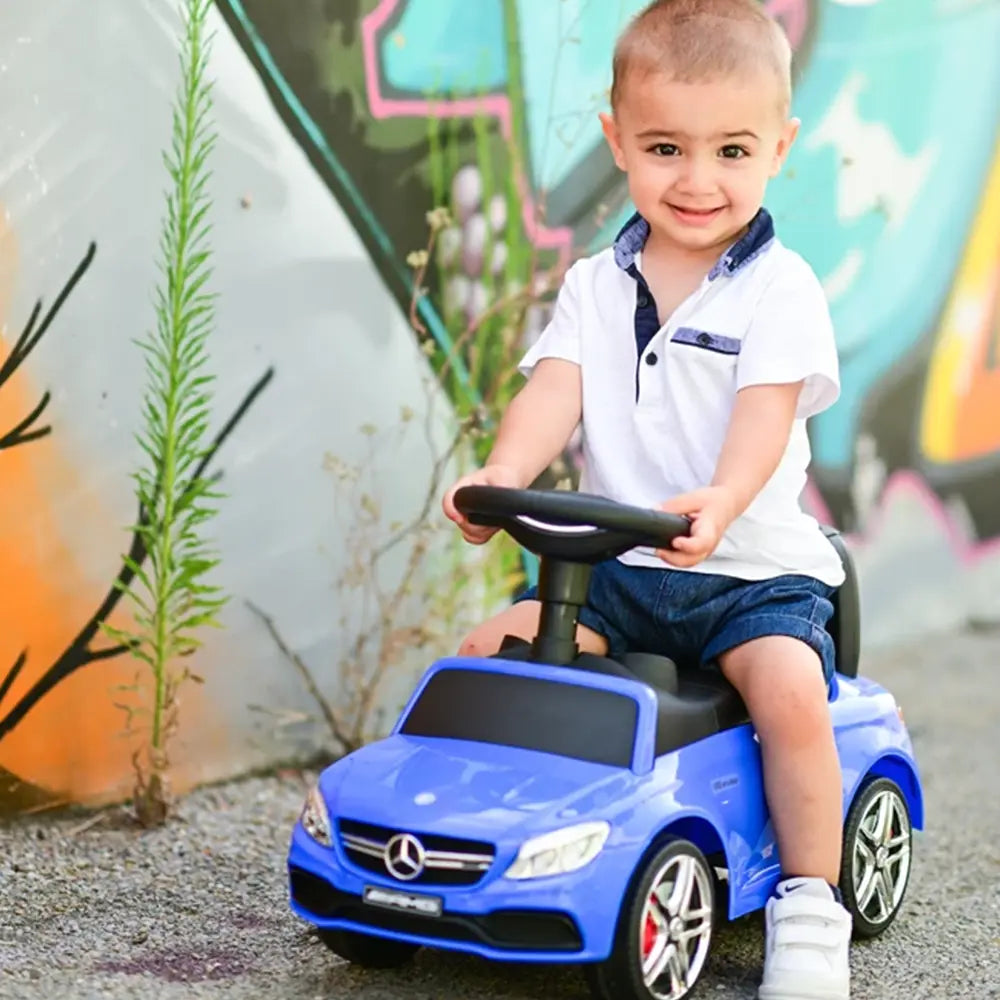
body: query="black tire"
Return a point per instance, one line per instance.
(877, 856)
(621, 977)
(367, 950)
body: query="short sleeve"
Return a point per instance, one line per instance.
(561, 336)
(791, 339)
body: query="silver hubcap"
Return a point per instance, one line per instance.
(676, 928)
(881, 857)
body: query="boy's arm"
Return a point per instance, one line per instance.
(534, 429)
(787, 370)
(758, 433)
(541, 418)
(539, 421)
(759, 429)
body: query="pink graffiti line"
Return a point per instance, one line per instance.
(494, 105)
(905, 485)
(794, 18)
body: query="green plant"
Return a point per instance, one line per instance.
(411, 589)
(171, 599)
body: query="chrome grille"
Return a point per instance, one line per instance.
(443, 860)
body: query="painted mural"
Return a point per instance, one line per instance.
(895, 222)
(342, 125)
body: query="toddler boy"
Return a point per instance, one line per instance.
(693, 350)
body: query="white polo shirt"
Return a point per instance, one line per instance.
(657, 399)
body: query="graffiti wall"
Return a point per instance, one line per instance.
(341, 125)
(899, 224)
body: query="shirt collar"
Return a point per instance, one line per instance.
(632, 238)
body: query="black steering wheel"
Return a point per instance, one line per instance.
(575, 527)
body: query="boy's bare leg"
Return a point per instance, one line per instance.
(521, 619)
(781, 682)
(807, 929)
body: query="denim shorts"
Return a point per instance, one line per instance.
(695, 617)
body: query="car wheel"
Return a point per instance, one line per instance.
(367, 950)
(664, 929)
(876, 860)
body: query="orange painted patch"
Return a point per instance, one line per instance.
(69, 742)
(72, 743)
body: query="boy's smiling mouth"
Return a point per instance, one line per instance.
(695, 216)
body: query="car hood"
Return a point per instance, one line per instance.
(466, 789)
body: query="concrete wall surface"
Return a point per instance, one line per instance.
(340, 126)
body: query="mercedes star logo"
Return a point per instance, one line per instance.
(404, 857)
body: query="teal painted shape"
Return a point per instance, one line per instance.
(566, 48)
(907, 88)
(320, 142)
(910, 89)
(446, 47)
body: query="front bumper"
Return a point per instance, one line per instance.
(563, 918)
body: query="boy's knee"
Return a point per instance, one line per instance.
(520, 619)
(470, 646)
(477, 644)
(783, 686)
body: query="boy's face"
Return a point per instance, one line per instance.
(699, 155)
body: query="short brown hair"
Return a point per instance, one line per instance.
(697, 40)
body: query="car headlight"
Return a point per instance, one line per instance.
(559, 852)
(315, 819)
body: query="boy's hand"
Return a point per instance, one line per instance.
(711, 510)
(489, 475)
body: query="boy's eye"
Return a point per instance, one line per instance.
(664, 149)
(733, 152)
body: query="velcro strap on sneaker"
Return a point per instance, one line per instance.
(800, 935)
(799, 906)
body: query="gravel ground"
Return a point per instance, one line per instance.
(198, 909)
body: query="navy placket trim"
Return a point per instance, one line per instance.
(632, 238)
(646, 321)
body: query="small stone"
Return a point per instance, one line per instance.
(140, 938)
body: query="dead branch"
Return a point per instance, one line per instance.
(306, 674)
(26, 343)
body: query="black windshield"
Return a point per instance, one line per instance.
(571, 720)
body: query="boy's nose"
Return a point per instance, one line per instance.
(696, 177)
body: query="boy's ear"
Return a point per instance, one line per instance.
(788, 134)
(610, 129)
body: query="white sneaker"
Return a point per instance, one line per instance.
(808, 941)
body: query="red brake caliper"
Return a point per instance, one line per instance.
(649, 931)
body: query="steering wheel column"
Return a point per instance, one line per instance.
(562, 590)
(569, 532)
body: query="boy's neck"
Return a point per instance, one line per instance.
(661, 253)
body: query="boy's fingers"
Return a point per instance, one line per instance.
(478, 537)
(702, 530)
(684, 503)
(686, 543)
(678, 505)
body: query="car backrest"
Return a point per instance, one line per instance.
(845, 625)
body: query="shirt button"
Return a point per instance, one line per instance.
(651, 359)
(704, 339)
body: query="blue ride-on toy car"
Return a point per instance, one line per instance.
(548, 805)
